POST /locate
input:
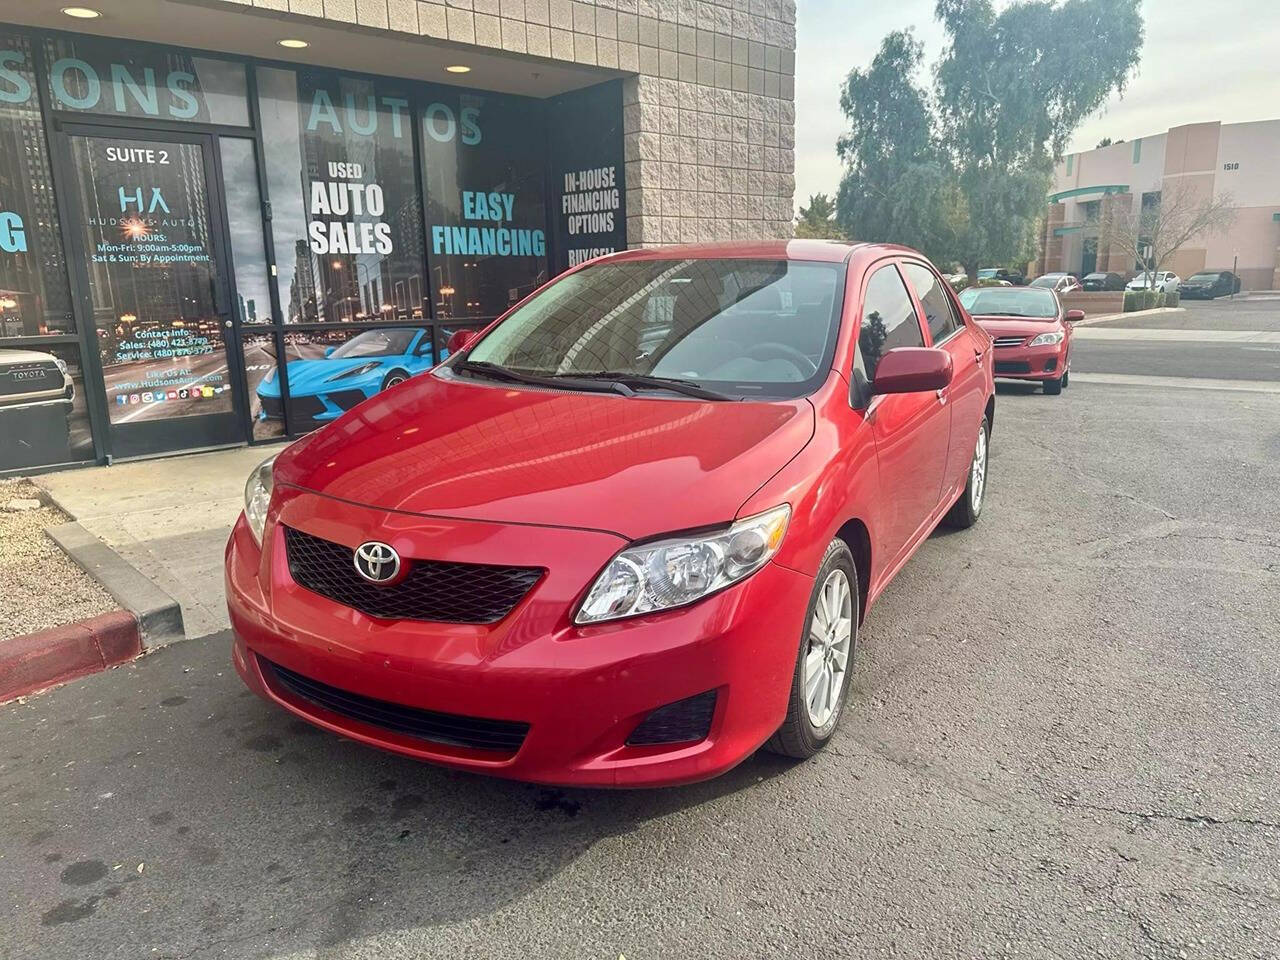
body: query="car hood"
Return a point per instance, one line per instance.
(635, 466)
(307, 376)
(1014, 326)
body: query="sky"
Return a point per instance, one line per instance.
(1202, 60)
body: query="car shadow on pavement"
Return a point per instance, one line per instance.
(188, 812)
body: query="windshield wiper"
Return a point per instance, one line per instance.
(499, 372)
(642, 380)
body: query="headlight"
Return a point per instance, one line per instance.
(257, 497)
(62, 365)
(354, 371)
(672, 573)
(1047, 339)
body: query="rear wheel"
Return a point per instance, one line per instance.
(824, 665)
(968, 508)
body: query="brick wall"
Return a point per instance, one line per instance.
(709, 115)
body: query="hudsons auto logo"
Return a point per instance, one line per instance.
(377, 562)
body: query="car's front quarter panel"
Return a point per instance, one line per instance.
(832, 481)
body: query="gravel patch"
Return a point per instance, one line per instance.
(40, 586)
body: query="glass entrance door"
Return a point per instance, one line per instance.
(148, 240)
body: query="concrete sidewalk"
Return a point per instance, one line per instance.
(168, 518)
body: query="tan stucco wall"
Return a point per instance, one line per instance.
(710, 112)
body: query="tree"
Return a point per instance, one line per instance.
(977, 156)
(896, 186)
(1104, 142)
(817, 221)
(1151, 235)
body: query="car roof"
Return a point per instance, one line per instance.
(821, 251)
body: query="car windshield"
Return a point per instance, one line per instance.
(986, 274)
(744, 327)
(1034, 304)
(1204, 277)
(376, 343)
(1048, 280)
(1096, 276)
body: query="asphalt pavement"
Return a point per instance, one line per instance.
(1061, 743)
(1215, 354)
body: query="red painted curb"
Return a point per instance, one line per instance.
(38, 660)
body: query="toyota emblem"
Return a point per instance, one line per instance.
(377, 562)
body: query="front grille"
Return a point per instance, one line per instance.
(448, 729)
(346, 399)
(432, 590)
(1012, 366)
(685, 721)
(1010, 341)
(34, 377)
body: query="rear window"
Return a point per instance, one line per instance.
(746, 327)
(1034, 303)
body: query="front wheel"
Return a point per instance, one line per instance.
(824, 664)
(968, 508)
(1053, 387)
(394, 378)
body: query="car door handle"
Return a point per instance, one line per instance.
(942, 396)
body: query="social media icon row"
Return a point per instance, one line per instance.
(158, 396)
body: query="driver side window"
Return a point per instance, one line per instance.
(888, 319)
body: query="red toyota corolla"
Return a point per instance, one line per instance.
(625, 535)
(1031, 331)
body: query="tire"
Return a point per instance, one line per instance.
(1053, 387)
(811, 721)
(394, 378)
(1066, 379)
(968, 508)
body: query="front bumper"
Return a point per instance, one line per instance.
(581, 690)
(1030, 363)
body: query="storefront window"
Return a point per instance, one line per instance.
(346, 217)
(260, 376)
(34, 297)
(330, 371)
(244, 223)
(43, 418)
(93, 76)
(484, 169)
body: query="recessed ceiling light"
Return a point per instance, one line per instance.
(293, 44)
(81, 13)
(458, 68)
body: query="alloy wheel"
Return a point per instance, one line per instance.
(978, 472)
(830, 644)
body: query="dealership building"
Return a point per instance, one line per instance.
(227, 222)
(1239, 159)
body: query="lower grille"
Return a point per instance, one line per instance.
(447, 729)
(432, 590)
(1013, 366)
(685, 721)
(346, 399)
(305, 408)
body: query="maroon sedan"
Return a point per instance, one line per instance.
(1031, 330)
(627, 534)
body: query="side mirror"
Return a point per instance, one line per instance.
(328, 351)
(1075, 316)
(460, 339)
(912, 370)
